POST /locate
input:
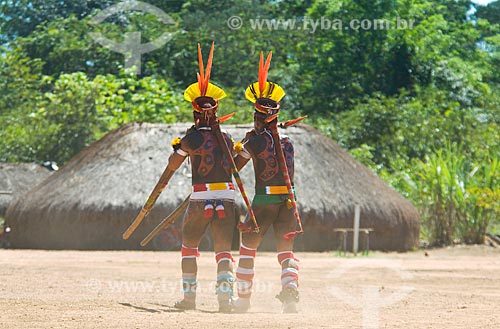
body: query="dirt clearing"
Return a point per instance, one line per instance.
(450, 288)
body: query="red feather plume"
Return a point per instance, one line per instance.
(204, 77)
(263, 71)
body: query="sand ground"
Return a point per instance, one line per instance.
(450, 288)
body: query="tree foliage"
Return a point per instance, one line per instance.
(395, 97)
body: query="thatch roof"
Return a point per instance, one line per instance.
(17, 179)
(90, 201)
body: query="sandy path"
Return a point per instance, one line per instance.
(451, 288)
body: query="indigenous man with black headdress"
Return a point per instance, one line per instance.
(274, 201)
(212, 198)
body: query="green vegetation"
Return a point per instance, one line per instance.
(420, 106)
(457, 195)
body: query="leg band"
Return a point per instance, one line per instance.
(189, 283)
(225, 282)
(289, 270)
(244, 281)
(189, 252)
(246, 252)
(223, 256)
(286, 255)
(244, 275)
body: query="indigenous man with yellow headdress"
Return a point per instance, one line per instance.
(212, 198)
(274, 201)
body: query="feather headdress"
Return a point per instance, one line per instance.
(263, 89)
(203, 89)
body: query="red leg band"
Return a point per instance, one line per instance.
(190, 252)
(223, 255)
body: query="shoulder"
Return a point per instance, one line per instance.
(255, 142)
(191, 129)
(192, 140)
(191, 134)
(285, 139)
(227, 134)
(250, 134)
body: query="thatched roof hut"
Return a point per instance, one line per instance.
(94, 197)
(16, 179)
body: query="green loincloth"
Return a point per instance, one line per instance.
(261, 198)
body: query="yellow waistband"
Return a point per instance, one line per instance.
(213, 187)
(276, 189)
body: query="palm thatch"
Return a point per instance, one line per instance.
(17, 179)
(94, 197)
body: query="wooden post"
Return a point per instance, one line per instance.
(355, 238)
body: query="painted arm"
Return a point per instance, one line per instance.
(242, 155)
(174, 161)
(240, 161)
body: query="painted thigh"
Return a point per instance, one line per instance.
(194, 225)
(223, 228)
(265, 215)
(284, 223)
